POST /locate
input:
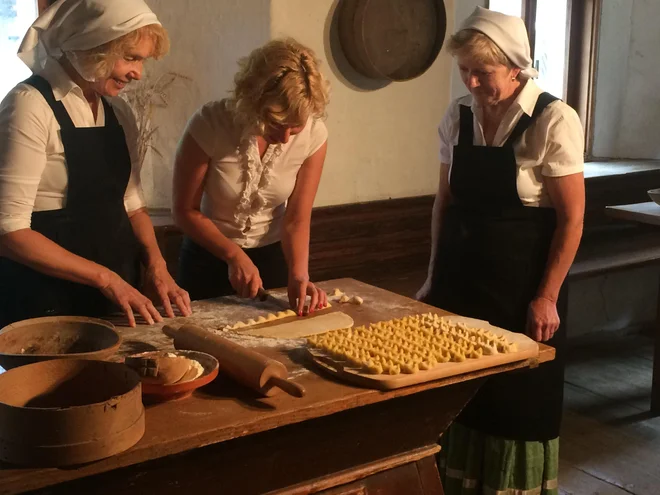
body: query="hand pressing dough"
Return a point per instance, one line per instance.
(304, 327)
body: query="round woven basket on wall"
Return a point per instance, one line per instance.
(396, 40)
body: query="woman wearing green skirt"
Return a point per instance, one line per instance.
(507, 222)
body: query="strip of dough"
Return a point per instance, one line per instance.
(304, 327)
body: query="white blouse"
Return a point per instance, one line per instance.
(33, 175)
(553, 146)
(245, 196)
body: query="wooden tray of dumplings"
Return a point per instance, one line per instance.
(423, 348)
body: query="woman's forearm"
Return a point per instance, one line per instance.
(204, 232)
(146, 236)
(33, 249)
(295, 245)
(564, 246)
(440, 204)
(436, 222)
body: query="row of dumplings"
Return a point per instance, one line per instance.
(409, 344)
(263, 319)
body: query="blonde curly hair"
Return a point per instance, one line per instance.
(98, 62)
(278, 84)
(479, 47)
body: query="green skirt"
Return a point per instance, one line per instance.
(472, 463)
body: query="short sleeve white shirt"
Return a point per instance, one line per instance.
(553, 145)
(244, 195)
(33, 173)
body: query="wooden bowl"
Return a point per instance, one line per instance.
(69, 411)
(57, 337)
(160, 393)
(396, 40)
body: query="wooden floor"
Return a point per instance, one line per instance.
(609, 445)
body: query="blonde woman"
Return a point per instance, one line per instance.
(73, 223)
(507, 223)
(245, 177)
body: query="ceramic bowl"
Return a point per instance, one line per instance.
(158, 393)
(57, 337)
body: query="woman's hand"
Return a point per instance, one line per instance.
(159, 283)
(542, 319)
(299, 289)
(244, 275)
(129, 299)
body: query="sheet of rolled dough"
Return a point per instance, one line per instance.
(302, 328)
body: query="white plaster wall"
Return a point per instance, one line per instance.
(611, 75)
(626, 125)
(613, 302)
(208, 36)
(627, 108)
(382, 142)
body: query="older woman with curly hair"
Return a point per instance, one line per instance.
(246, 174)
(507, 222)
(73, 223)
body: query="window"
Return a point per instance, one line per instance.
(548, 38)
(508, 7)
(564, 39)
(15, 18)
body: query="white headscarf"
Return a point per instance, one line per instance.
(506, 31)
(70, 25)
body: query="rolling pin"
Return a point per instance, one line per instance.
(246, 366)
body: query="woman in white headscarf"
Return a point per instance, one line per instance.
(507, 222)
(73, 223)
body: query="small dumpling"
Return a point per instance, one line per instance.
(344, 299)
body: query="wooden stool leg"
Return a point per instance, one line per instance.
(655, 387)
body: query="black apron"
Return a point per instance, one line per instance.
(492, 254)
(205, 276)
(92, 224)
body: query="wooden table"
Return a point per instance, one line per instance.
(647, 213)
(338, 439)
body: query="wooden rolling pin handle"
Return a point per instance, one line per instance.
(289, 387)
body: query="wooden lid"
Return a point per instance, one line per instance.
(392, 39)
(64, 412)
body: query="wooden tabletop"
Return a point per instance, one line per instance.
(223, 410)
(648, 213)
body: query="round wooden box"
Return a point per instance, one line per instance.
(57, 337)
(396, 40)
(69, 411)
